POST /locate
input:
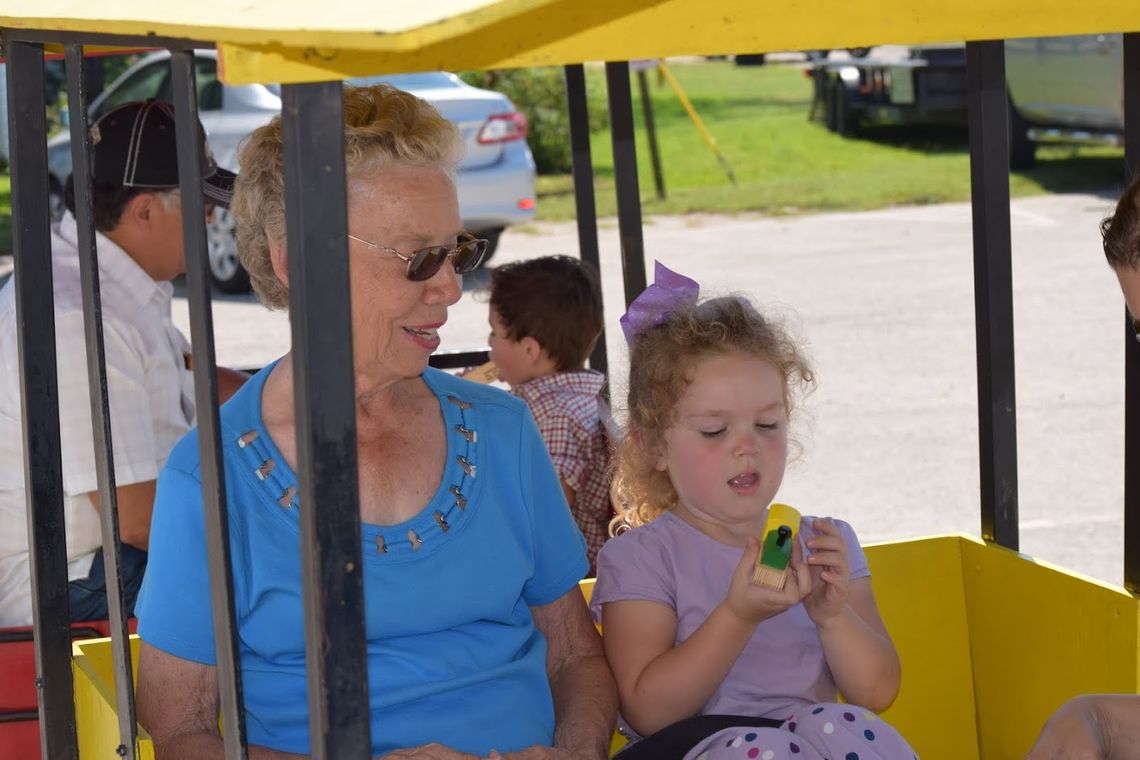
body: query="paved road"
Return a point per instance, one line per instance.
(884, 301)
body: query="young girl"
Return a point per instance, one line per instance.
(709, 664)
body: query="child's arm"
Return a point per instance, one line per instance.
(660, 683)
(859, 651)
(856, 644)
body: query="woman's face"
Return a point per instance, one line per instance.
(396, 321)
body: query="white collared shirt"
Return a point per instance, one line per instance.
(151, 396)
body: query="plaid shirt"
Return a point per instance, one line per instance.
(575, 424)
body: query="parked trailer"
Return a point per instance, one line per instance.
(926, 85)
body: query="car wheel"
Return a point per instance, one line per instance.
(226, 271)
(1022, 150)
(56, 206)
(858, 52)
(492, 238)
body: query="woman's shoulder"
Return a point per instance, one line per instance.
(185, 456)
(238, 419)
(488, 398)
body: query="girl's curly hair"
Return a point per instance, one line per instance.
(662, 361)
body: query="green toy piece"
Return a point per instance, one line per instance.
(775, 555)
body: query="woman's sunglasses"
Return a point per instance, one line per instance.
(465, 256)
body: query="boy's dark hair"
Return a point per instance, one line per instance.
(1121, 231)
(557, 300)
(107, 202)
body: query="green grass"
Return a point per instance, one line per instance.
(785, 163)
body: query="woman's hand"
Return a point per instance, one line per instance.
(428, 752)
(830, 572)
(535, 753)
(751, 602)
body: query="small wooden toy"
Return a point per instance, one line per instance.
(484, 373)
(776, 546)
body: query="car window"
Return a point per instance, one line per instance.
(210, 90)
(428, 80)
(145, 83)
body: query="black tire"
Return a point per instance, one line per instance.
(749, 59)
(840, 118)
(1022, 150)
(829, 105)
(492, 237)
(858, 52)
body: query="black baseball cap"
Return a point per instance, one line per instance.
(133, 146)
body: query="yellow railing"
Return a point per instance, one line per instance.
(991, 643)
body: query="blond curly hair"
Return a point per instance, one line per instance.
(661, 366)
(383, 126)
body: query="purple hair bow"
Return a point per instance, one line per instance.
(668, 292)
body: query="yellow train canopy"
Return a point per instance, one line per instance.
(312, 40)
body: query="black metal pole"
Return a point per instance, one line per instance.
(993, 289)
(1132, 348)
(585, 207)
(39, 393)
(325, 412)
(206, 401)
(651, 133)
(625, 178)
(100, 411)
(93, 77)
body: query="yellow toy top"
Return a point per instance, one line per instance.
(779, 534)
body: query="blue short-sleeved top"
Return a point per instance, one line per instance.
(453, 653)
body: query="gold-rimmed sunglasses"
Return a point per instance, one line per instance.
(465, 256)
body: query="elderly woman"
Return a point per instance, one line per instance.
(478, 639)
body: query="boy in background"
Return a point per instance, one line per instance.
(546, 316)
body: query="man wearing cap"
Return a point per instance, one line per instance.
(138, 222)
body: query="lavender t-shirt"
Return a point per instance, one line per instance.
(782, 667)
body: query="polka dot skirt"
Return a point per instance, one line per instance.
(820, 732)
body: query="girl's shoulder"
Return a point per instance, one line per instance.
(845, 529)
(650, 539)
(656, 547)
(856, 557)
(638, 564)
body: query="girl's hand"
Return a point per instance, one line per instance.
(830, 572)
(751, 602)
